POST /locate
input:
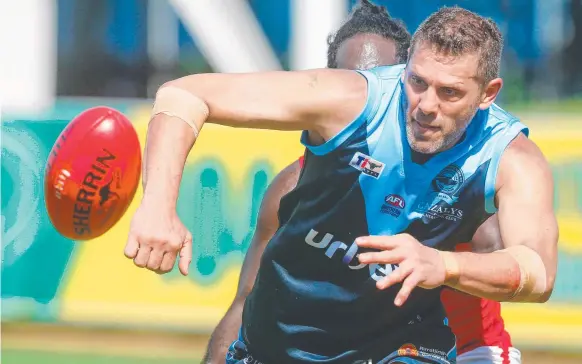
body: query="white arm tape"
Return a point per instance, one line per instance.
(532, 284)
(179, 103)
(452, 270)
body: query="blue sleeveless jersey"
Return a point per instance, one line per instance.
(312, 300)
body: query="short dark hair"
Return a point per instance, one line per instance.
(373, 19)
(454, 31)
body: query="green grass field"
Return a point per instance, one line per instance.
(45, 344)
(25, 343)
(10, 356)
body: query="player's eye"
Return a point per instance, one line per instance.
(417, 81)
(450, 92)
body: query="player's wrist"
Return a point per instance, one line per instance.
(159, 198)
(452, 271)
(162, 184)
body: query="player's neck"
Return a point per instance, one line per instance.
(420, 158)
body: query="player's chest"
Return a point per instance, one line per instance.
(439, 197)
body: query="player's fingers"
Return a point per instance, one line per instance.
(185, 255)
(167, 263)
(131, 247)
(382, 257)
(395, 277)
(142, 257)
(377, 242)
(155, 259)
(407, 286)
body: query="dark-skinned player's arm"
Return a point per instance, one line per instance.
(487, 238)
(525, 269)
(267, 224)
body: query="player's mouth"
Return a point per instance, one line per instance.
(424, 128)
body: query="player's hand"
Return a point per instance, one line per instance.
(419, 265)
(156, 237)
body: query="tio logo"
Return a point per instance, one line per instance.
(376, 271)
(367, 165)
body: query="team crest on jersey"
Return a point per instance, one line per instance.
(367, 165)
(443, 195)
(393, 205)
(449, 180)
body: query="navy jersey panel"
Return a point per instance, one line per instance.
(316, 291)
(312, 301)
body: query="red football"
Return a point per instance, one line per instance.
(92, 173)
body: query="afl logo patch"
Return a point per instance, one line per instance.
(393, 204)
(395, 201)
(449, 180)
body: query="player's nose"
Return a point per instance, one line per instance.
(425, 118)
(428, 104)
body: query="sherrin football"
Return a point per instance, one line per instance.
(92, 173)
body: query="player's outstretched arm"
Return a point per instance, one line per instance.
(320, 101)
(525, 270)
(267, 224)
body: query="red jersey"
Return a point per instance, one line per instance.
(475, 321)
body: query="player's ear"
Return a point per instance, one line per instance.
(490, 92)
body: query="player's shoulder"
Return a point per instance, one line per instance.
(524, 150)
(287, 178)
(284, 182)
(497, 115)
(523, 162)
(501, 127)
